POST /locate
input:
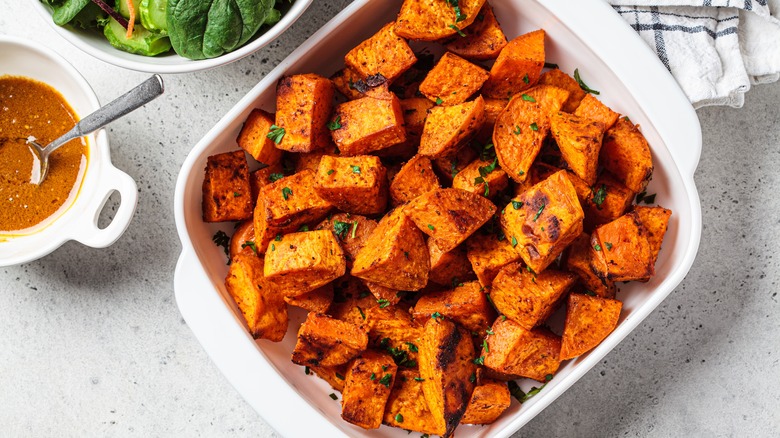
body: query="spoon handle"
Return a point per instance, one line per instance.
(144, 93)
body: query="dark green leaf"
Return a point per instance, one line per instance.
(276, 134)
(582, 84)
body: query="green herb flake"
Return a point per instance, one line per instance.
(457, 29)
(597, 247)
(454, 168)
(341, 229)
(339, 376)
(303, 228)
(517, 128)
(355, 169)
(406, 254)
(399, 418)
(525, 79)
(386, 379)
(490, 331)
(650, 199)
(431, 227)
(354, 228)
(286, 192)
(275, 177)
(412, 347)
(278, 238)
(608, 245)
(480, 360)
(550, 65)
(473, 378)
(600, 195)
(276, 134)
(590, 293)
(514, 242)
(532, 393)
(382, 303)
(528, 98)
(503, 317)
(333, 396)
(517, 205)
(582, 84)
(419, 379)
(362, 314)
(439, 101)
(250, 244)
(306, 370)
(373, 376)
(223, 240)
(330, 172)
(539, 212)
(515, 391)
(534, 126)
(520, 172)
(335, 124)
(485, 346)
(436, 315)
(273, 247)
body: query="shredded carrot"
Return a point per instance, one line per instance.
(131, 20)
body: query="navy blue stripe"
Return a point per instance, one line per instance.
(687, 29)
(645, 11)
(660, 44)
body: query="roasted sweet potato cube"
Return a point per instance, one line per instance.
(481, 177)
(415, 111)
(302, 262)
(528, 298)
(367, 389)
(558, 78)
(262, 177)
(517, 67)
(415, 178)
(351, 301)
(383, 294)
(488, 401)
(447, 128)
(620, 250)
(264, 233)
(452, 80)
(493, 108)
(547, 219)
(446, 364)
(515, 352)
(367, 125)
(592, 108)
(253, 137)
(243, 239)
(521, 128)
(353, 184)
(484, 38)
(488, 255)
(580, 142)
(626, 154)
(589, 320)
(384, 53)
(324, 341)
(465, 304)
(577, 260)
(395, 254)
(226, 192)
(656, 221)
(406, 408)
(427, 20)
(344, 80)
(606, 201)
(449, 215)
(260, 302)
(309, 160)
(448, 167)
(317, 301)
(342, 225)
(335, 375)
(392, 329)
(303, 104)
(291, 202)
(448, 267)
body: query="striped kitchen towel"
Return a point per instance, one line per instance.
(714, 48)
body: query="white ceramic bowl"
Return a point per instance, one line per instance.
(79, 220)
(584, 34)
(95, 44)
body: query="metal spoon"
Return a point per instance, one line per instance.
(118, 108)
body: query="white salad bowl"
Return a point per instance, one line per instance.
(95, 44)
(78, 219)
(584, 34)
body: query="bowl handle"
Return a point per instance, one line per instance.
(111, 180)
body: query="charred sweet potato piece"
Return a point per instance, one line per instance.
(465, 304)
(446, 364)
(481, 177)
(303, 104)
(448, 167)
(335, 375)
(588, 321)
(488, 401)
(448, 267)
(447, 128)
(513, 352)
(324, 341)
(449, 215)
(243, 237)
(415, 110)
(406, 408)
(488, 255)
(395, 254)
(344, 80)
(302, 262)
(317, 301)
(620, 250)
(367, 389)
(367, 124)
(351, 301)
(517, 67)
(385, 53)
(592, 108)
(342, 225)
(606, 201)
(452, 80)
(626, 154)
(262, 177)
(392, 329)
(543, 221)
(291, 202)
(353, 184)
(260, 302)
(577, 260)
(484, 38)
(522, 127)
(493, 108)
(253, 138)
(558, 78)
(656, 221)
(415, 178)
(580, 142)
(528, 298)
(226, 192)
(431, 20)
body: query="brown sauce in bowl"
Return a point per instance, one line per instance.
(32, 108)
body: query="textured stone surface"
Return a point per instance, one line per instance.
(92, 343)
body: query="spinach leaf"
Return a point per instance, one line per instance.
(66, 10)
(202, 29)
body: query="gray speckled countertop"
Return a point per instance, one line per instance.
(92, 343)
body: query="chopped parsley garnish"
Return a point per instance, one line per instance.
(223, 240)
(382, 303)
(528, 98)
(454, 167)
(236, 194)
(457, 29)
(339, 376)
(600, 195)
(363, 315)
(419, 379)
(436, 315)
(306, 370)
(486, 170)
(480, 360)
(412, 347)
(548, 377)
(333, 396)
(439, 101)
(473, 378)
(514, 242)
(273, 247)
(341, 229)
(532, 393)
(597, 247)
(406, 254)
(539, 212)
(485, 346)
(517, 205)
(354, 228)
(303, 228)
(517, 129)
(250, 244)
(431, 227)
(399, 418)
(276, 134)
(278, 238)
(644, 197)
(590, 292)
(335, 124)
(330, 172)
(455, 282)
(520, 172)
(608, 245)
(534, 127)
(525, 79)
(490, 331)
(550, 65)
(355, 169)
(373, 376)
(515, 390)
(584, 87)
(275, 177)
(286, 192)
(385, 380)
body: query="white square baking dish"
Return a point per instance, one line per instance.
(584, 34)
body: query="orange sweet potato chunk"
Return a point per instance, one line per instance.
(431, 20)
(415, 178)
(449, 215)
(655, 221)
(302, 262)
(324, 341)
(488, 255)
(253, 138)
(577, 260)
(484, 38)
(493, 108)
(342, 225)
(351, 301)
(262, 177)
(317, 301)
(580, 142)
(367, 389)
(465, 304)
(353, 184)
(367, 124)
(334, 375)
(517, 67)
(448, 267)
(471, 180)
(392, 328)
(528, 298)
(385, 53)
(620, 250)
(226, 191)
(243, 238)
(488, 401)
(515, 352)
(588, 321)
(452, 80)
(543, 220)
(592, 108)
(447, 128)
(303, 105)
(626, 154)
(606, 201)
(291, 202)
(407, 404)
(448, 167)
(558, 78)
